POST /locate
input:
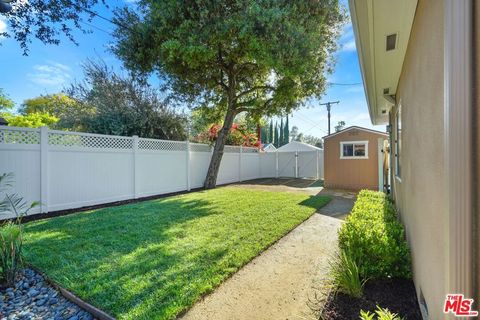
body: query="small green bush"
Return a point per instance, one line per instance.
(345, 276)
(10, 251)
(11, 232)
(382, 314)
(375, 238)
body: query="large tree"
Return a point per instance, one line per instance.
(48, 20)
(122, 105)
(261, 57)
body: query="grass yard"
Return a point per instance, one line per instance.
(154, 259)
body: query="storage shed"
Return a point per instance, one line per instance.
(353, 159)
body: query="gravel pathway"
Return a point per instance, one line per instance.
(33, 298)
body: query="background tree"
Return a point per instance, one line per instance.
(293, 133)
(312, 140)
(261, 57)
(32, 120)
(277, 136)
(280, 133)
(271, 133)
(340, 125)
(71, 115)
(125, 106)
(286, 132)
(5, 102)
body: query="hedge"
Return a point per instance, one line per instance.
(374, 236)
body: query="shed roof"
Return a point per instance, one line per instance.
(297, 146)
(355, 127)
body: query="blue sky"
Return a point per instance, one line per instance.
(49, 68)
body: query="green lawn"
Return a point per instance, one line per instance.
(154, 259)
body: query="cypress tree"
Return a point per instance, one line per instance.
(270, 133)
(286, 133)
(281, 140)
(275, 139)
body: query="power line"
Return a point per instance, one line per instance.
(315, 124)
(93, 13)
(95, 27)
(344, 84)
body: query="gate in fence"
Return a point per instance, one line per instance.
(66, 170)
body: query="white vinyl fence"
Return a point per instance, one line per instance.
(65, 170)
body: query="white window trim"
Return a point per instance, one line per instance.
(354, 142)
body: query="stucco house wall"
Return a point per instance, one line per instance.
(351, 174)
(419, 190)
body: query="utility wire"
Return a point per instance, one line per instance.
(93, 13)
(344, 84)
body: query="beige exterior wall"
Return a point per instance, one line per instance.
(476, 178)
(419, 192)
(351, 174)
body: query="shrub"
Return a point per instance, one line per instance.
(345, 275)
(382, 314)
(10, 251)
(375, 238)
(11, 232)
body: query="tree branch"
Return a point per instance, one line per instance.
(266, 87)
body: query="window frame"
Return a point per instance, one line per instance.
(364, 142)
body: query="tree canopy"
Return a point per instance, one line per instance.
(70, 114)
(48, 21)
(123, 105)
(261, 57)
(5, 102)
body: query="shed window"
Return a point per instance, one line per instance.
(354, 150)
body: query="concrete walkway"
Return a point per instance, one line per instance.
(282, 281)
(279, 283)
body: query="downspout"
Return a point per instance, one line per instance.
(459, 140)
(476, 150)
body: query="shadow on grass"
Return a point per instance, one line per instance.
(120, 254)
(156, 258)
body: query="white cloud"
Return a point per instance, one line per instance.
(50, 74)
(347, 39)
(349, 46)
(3, 27)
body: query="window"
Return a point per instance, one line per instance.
(398, 141)
(354, 150)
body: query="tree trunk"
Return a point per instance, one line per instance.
(211, 179)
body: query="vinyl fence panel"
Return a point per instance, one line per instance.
(66, 170)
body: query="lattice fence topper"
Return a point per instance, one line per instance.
(231, 149)
(199, 147)
(15, 136)
(154, 144)
(89, 141)
(249, 150)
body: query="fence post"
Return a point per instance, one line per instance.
(188, 165)
(240, 164)
(135, 168)
(44, 200)
(318, 169)
(296, 164)
(276, 164)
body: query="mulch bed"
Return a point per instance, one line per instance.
(397, 295)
